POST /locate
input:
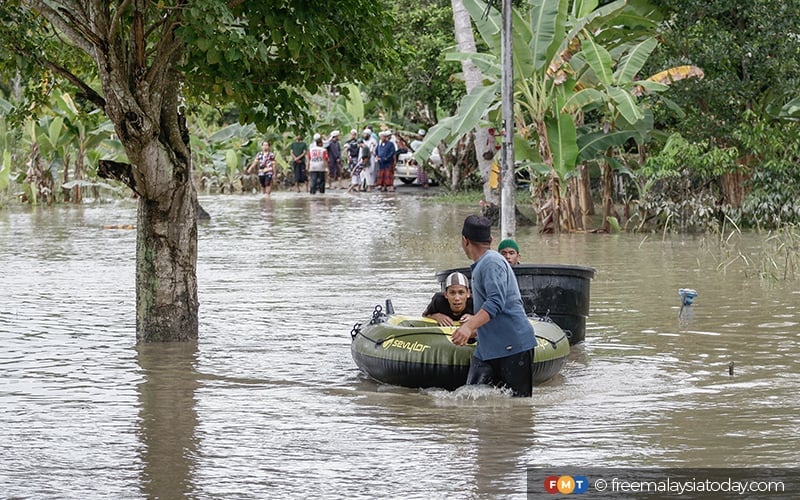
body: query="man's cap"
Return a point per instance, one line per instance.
(478, 229)
(456, 278)
(317, 137)
(335, 133)
(508, 243)
(353, 132)
(421, 131)
(367, 132)
(384, 133)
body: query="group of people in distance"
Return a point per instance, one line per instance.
(490, 311)
(371, 160)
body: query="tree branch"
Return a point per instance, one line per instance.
(55, 18)
(118, 171)
(86, 90)
(113, 30)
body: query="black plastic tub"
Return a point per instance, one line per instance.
(558, 292)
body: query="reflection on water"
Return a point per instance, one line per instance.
(167, 419)
(269, 403)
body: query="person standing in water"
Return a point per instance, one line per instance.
(265, 162)
(504, 354)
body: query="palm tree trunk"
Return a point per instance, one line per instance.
(484, 142)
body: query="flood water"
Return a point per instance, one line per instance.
(269, 404)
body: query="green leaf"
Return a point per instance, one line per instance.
(593, 21)
(54, 131)
(633, 61)
(625, 105)
(652, 87)
(5, 170)
(212, 56)
(437, 134)
(614, 223)
(524, 151)
(355, 103)
(472, 109)
(488, 26)
(674, 107)
(581, 99)
(541, 168)
(791, 109)
(488, 64)
(582, 8)
(231, 160)
(547, 18)
(595, 144)
(598, 59)
(562, 138)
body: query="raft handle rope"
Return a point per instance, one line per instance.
(553, 343)
(377, 315)
(355, 331)
(547, 319)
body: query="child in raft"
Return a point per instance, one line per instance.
(455, 304)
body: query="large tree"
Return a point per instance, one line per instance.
(141, 61)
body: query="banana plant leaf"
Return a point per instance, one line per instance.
(593, 145)
(469, 115)
(625, 104)
(634, 60)
(547, 25)
(563, 141)
(489, 26)
(598, 59)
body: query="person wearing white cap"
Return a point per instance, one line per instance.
(317, 165)
(352, 150)
(334, 160)
(455, 304)
(369, 168)
(385, 155)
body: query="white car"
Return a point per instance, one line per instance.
(406, 168)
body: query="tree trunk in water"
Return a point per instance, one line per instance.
(166, 243)
(166, 260)
(550, 211)
(484, 142)
(606, 192)
(78, 190)
(576, 204)
(585, 195)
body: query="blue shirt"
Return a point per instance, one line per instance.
(385, 153)
(495, 290)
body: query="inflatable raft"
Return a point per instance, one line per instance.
(415, 352)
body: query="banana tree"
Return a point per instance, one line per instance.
(82, 133)
(547, 38)
(610, 89)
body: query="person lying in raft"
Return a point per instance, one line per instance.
(455, 304)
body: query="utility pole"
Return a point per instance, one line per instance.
(508, 222)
